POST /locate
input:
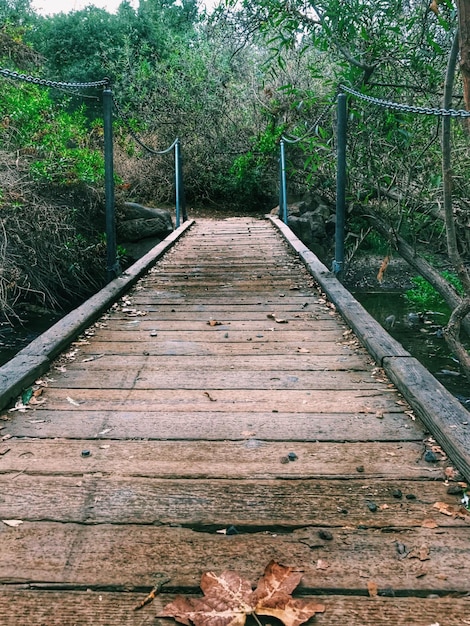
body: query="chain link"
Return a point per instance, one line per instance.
(405, 107)
(51, 83)
(135, 137)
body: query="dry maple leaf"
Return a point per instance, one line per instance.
(383, 268)
(228, 599)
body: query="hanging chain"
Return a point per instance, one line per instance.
(51, 83)
(405, 108)
(135, 137)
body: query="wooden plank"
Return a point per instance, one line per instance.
(249, 458)
(130, 555)
(204, 312)
(177, 346)
(199, 426)
(195, 313)
(274, 400)
(246, 310)
(211, 504)
(247, 300)
(142, 323)
(265, 335)
(255, 362)
(102, 608)
(213, 379)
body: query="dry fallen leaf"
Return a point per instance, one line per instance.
(429, 523)
(372, 588)
(212, 399)
(383, 268)
(72, 401)
(228, 599)
(421, 553)
(452, 510)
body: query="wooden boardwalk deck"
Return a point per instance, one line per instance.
(186, 400)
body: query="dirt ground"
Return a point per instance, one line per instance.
(361, 274)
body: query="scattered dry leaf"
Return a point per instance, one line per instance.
(72, 401)
(372, 588)
(429, 523)
(383, 269)
(452, 510)
(228, 599)
(451, 473)
(214, 323)
(206, 393)
(421, 553)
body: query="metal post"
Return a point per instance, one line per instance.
(112, 264)
(182, 194)
(338, 263)
(283, 184)
(177, 182)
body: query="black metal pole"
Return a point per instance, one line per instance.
(338, 263)
(112, 263)
(283, 184)
(177, 182)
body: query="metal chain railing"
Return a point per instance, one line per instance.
(406, 108)
(134, 135)
(180, 202)
(109, 101)
(52, 83)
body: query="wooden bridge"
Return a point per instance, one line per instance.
(221, 415)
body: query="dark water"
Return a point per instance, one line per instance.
(15, 337)
(420, 335)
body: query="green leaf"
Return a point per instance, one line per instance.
(27, 395)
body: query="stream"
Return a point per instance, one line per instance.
(421, 335)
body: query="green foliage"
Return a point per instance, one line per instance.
(60, 140)
(425, 296)
(252, 170)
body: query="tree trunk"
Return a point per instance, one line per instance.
(464, 38)
(452, 330)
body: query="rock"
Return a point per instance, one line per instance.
(325, 534)
(430, 457)
(140, 222)
(313, 222)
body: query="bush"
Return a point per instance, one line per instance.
(425, 296)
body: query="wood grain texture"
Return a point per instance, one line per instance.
(129, 556)
(108, 608)
(156, 429)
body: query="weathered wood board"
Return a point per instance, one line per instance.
(106, 608)
(155, 431)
